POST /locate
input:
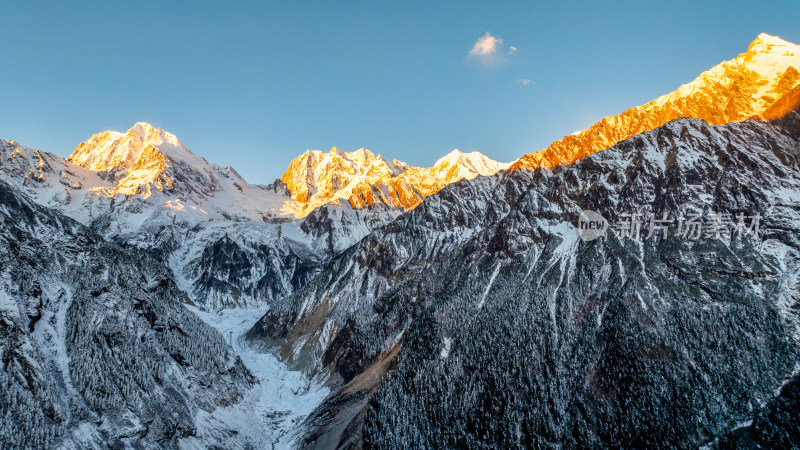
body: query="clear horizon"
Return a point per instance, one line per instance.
(254, 85)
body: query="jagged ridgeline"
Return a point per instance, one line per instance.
(509, 331)
(95, 344)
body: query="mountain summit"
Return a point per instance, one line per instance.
(142, 159)
(458, 165)
(734, 90)
(112, 150)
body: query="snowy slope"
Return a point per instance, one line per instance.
(271, 413)
(97, 349)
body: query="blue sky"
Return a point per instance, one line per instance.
(253, 84)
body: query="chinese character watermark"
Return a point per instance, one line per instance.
(592, 225)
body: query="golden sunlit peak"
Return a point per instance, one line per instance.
(145, 131)
(139, 161)
(733, 90)
(144, 126)
(769, 40)
(452, 156)
(362, 155)
(361, 178)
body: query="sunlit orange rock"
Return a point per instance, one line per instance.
(361, 178)
(134, 160)
(738, 89)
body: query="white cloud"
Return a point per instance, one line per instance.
(526, 82)
(486, 45)
(511, 50)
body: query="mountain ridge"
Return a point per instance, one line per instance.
(142, 159)
(362, 178)
(733, 90)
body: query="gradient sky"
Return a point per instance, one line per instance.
(253, 84)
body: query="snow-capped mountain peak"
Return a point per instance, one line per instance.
(362, 155)
(127, 183)
(733, 90)
(457, 165)
(115, 151)
(362, 178)
(765, 41)
(143, 159)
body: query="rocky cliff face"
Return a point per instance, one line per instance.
(97, 349)
(509, 330)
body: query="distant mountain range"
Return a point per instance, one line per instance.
(363, 179)
(143, 186)
(441, 307)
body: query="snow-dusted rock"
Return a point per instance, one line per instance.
(613, 342)
(97, 348)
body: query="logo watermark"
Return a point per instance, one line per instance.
(592, 225)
